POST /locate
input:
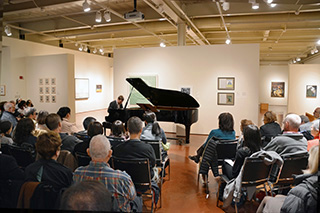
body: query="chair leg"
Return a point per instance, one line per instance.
(236, 207)
(207, 185)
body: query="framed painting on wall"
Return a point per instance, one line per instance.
(226, 83)
(98, 88)
(186, 90)
(53, 99)
(311, 91)
(225, 98)
(2, 90)
(41, 99)
(277, 89)
(82, 88)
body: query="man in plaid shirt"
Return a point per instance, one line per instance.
(117, 182)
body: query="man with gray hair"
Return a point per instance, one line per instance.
(117, 182)
(291, 141)
(8, 114)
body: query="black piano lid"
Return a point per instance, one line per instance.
(163, 97)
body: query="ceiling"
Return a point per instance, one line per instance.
(290, 29)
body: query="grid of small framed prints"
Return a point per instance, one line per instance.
(47, 90)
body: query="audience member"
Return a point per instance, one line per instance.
(2, 107)
(7, 115)
(95, 128)
(243, 124)
(152, 130)
(303, 197)
(32, 114)
(67, 126)
(117, 182)
(291, 141)
(5, 130)
(225, 132)
(118, 130)
(9, 168)
(47, 170)
(85, 124)
(315, 134)
(270, 129)
(316, 113)
(53, 122)
(88, 195)
(116, 104)
(21, 110)
(24, 132)
(305, 127)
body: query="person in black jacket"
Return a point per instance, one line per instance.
(270, 129)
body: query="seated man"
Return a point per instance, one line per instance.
(84, 133)
(7, 115)
(53, 122)
(291, 141)
(113, 115)
(117, 182)
(134, 148)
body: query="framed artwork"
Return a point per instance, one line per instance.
(98, 88)
(186, 90)
(41, 99)
(225, 98)
(40, 81)
(46, 81)
(82, 88)
(53, 90)
(41, 90)
(226, 83)
(53, 99)
(47, 90)
(53, 81)
(47, 98)
(277, 89)
(311, 91)
(2, 90)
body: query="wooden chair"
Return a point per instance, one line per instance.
(139, 170)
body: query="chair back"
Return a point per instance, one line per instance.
(81, 136)
(226, 149)
(156, 145)
(5, 149)
(82, 159)
(67, 159)
(23, 155)
(255, 172)
(138, 169)
(114, 141)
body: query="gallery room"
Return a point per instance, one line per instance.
(228, 56)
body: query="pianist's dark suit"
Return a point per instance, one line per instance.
(114, 105)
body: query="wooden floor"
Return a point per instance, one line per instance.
(182, 193)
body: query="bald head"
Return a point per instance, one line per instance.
(292, 122)
(99, 148)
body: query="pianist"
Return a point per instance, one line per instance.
(116, 104)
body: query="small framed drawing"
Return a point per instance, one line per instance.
(47, 98)
(41, 90)
(311, 91)
(186, 90)
(46, 81)
(41, 99)
(47, 90)
(53, 99)
(40, 81)
(53, 81)
(2, 90)
(277, 89)
(226, 83)
(53, 90)
(98, 88)
(225, 98)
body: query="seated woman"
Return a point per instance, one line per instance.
(152, 130)
(47, 170)
(23, 132)
(303, 197)
(118, 130)
(270, 129)
(243, 124)
(67, 126)
(225, 132)
(94, 128)
(5, 130)
(41, 123)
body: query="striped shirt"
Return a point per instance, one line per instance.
(117, 182)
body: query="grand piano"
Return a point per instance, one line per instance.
(169, 105)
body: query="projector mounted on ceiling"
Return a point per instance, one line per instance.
(134, 15)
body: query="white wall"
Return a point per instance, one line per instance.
(301, 75)
(97, 68)
(197, 67)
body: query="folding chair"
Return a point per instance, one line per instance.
(81, 136)
(160, 163)
(114, 142)
(292, 166)
(23, 154)
(139, 170)
(254, 173)
(82, 159)
(226, 149)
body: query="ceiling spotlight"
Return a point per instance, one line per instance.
(107, 16)
(101, 50)
(318, 42)
(94, 50)
(162, 44)
(312, 52)
(255, 6)
(294, 61)
(225, 6)
(81, 48)
(228, 41)
(269, 1)
(316, 50)
(85, 48)
(273, 5)
(7, 30)
(298, 59)
(98, 17)
(86, 6)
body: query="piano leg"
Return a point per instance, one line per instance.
(187, 133)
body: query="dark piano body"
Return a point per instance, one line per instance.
(169, 105)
